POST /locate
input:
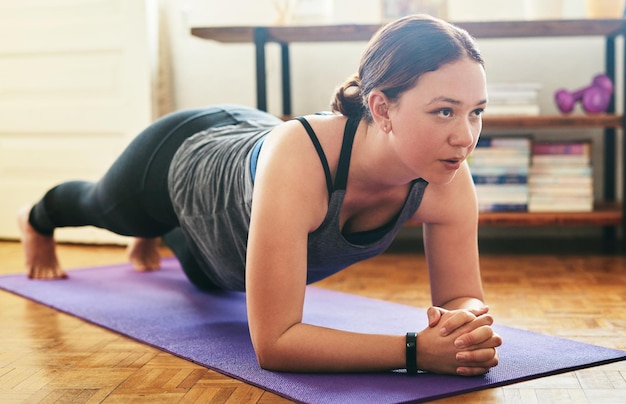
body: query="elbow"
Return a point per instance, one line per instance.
(273, 351)
(267, 364)
(274, 355)
(268, 358)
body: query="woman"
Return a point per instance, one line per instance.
(249, 202)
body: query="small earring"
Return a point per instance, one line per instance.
(385, 128)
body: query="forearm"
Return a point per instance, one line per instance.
(308, 348)
(464, 303)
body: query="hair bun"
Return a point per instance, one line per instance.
(347, 99)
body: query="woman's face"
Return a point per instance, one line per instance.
(436, 124)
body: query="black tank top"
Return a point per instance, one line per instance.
(329, 249)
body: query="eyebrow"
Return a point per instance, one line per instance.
(452, 101)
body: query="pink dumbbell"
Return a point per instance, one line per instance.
(594, 98)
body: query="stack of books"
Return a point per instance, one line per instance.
(513, 99)
(561, 177)
(500, 167)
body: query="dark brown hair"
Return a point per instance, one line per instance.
(397, 55)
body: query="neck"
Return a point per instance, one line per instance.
(372, 167)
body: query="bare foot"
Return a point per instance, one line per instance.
(143, 254)
(39, 251)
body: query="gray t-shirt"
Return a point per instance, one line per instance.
(210, 184)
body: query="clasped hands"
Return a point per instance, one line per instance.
(460, 342)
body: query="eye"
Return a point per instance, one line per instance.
(478, 112)
(444, 112)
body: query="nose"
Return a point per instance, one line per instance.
(464, 134)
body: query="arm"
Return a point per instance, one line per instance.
(290, 200)
(450, 216)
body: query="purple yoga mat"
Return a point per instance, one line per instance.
(164, 310)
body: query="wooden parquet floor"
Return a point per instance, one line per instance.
(50, 357)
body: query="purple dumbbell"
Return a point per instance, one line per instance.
(594, 98)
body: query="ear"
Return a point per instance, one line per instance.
(379, 108)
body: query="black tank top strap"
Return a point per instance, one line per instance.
(320, 152)
(341, 178)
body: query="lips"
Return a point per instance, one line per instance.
(452, 164)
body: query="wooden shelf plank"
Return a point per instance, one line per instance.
(552, 121)
(323, 33)
(225, 34)
(544, 28)
(363, 32)
(604, 214)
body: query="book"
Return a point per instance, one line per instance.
(561, 148)
(502, 194)
(513, 109)
(561, 177)
(500, 179)
(499, 167)
(565, 171)
(519, 143)
(561, 160)
(513, 99)
(503, 207)
(560, 189)
(560, 204)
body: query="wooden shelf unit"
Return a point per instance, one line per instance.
(608, 213)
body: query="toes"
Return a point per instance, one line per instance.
(46, 273)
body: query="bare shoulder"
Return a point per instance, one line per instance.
(324, 125)
(290, 179)
(451, 203)
(290, 140)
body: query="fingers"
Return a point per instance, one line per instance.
(434, 315)
(472, 337)
(480, 312)
(482, 357)
(476, 362)
(460, 318)
(478, 357)
(468, 350)
(481, 337)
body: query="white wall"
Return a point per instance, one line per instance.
(207, 72)
(75, 88)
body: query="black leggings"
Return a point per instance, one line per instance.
(132, 198)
